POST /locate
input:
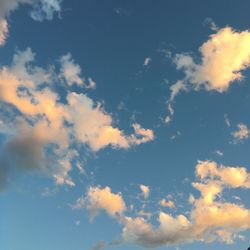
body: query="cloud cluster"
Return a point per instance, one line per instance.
(41, 10)
(210, 219)
(31, 107)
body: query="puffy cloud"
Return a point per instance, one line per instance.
(42, 9)
(103, 199)
(145, 191)
(167, 203)
(232, 176)
(241, 134)
(71, 73)
(31, 108)
(141, 135)
(223, 58)
(171, 230)
(210, 219)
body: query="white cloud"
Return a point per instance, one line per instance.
(227, 121)
(42, 9)
(70, 71)
(167, 203)
(103, 199)
(45, 9)
(241, 134)
(212, 25)
(211, 218)
(35, 108)
(147, 61)
(219, 153)
(145, 191)
(224, 57)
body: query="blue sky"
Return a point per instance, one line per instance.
(124, 125)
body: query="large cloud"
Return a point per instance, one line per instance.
(223, 58)
(31, 108)
(41, 10)
(210, 219)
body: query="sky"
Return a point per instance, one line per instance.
(124, 124)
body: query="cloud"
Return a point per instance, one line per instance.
(71, 73)
(211, 24)
(165, 203)
(241, 134)
(227, 121)
(223, 58)
(41, 10)
(145, 191)
(234, 177)
(210, 219)
(175, 89)
(99, 245)
(147, 61)
(219, 153)
(31, 107)
(141, 135)
(103, 199)
(45, 9)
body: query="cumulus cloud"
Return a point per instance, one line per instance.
(98, 199)
(241, 134)
(145, 191)
(71, 73)
(167, 203)
(31, 108)
(211, 218)
(223, 58)
(41, 10)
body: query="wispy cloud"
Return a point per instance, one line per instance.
(41, 10)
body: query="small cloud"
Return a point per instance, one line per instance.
(79, 204)
(99, 245)
(145, 191)
(147, 61)
(177, 134)
(241, 134)
(227, 121)
(165, 203)
(219, 153)
(211, 24)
